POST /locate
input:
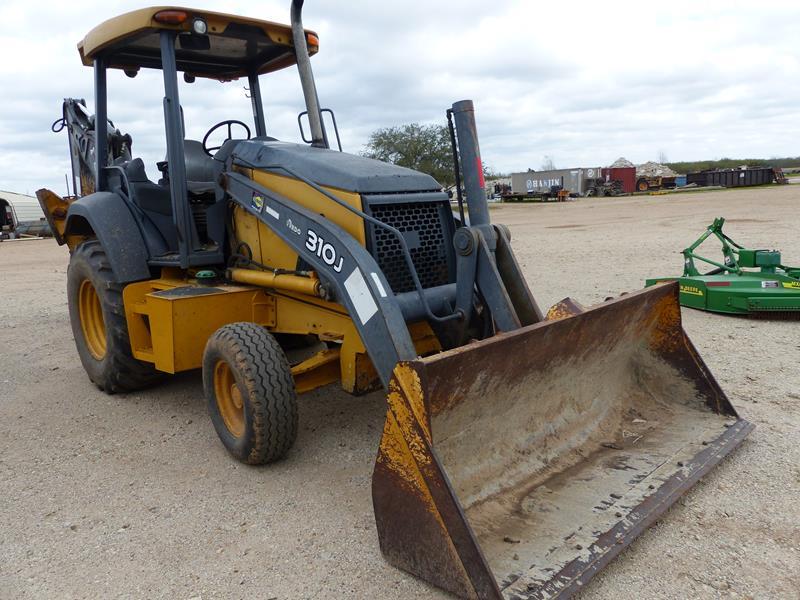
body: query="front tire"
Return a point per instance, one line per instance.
(97, 317)
(250, 392)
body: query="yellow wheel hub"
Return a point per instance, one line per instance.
(92, 324)
(229, 399)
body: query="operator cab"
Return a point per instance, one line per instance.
(182, 213)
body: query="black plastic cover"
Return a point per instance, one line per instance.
(332, 168)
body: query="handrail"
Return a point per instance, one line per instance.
(333, 119)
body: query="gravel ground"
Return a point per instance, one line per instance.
(133, 496)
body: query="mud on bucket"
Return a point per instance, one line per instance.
(518, 466)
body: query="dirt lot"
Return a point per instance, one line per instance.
(133, 496)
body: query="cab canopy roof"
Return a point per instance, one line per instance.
(232, 47)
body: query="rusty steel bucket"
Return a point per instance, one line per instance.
(520, 465)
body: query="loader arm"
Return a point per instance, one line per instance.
(485, 261)
(358, 282)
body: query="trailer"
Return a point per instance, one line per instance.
(574, 181)
(553, 194)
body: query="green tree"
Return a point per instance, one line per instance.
(732, 163)
(424, 148)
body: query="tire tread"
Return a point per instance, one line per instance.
(121, 372)
(266, 373)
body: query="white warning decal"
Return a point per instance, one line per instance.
(378, 284)
(359, 293)
(272, 212)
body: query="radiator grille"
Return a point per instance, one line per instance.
(423, 227)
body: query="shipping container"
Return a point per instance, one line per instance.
(625, 175)
(572, 180)
(732, 177)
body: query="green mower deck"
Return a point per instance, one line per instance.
(771, 291)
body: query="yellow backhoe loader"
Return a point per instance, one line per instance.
(521, 452)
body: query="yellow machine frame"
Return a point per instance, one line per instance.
(171, 318)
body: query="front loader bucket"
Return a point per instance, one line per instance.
(519, 466)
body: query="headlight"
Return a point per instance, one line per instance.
(199, 26)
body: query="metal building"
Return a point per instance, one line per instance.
(20, 212)
(18, 208)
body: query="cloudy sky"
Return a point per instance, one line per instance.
(581, 82)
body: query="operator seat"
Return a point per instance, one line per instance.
(154, 200)
(201, 185)
(201, 169)
(149, 196)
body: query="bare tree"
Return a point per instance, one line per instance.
(548, 164)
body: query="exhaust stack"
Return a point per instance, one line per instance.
(318, 135)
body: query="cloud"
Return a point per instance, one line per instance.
(577, 81)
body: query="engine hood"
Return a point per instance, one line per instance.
(331, 168)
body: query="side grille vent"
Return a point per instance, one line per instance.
(428, 234)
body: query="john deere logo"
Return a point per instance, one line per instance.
(257, 202)
(690, 289)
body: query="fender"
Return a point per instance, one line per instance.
(110, 220)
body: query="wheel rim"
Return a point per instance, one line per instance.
(92, 324)
(229, 399)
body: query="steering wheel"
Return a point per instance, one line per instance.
(230, 123)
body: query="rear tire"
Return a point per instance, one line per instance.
(250, 392)
(97, 316)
